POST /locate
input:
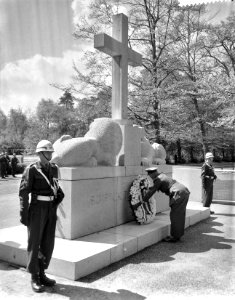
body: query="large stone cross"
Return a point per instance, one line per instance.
(117, 47)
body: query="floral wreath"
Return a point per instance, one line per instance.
(144, 211)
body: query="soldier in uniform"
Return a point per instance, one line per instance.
(208, 176)
(40, 180)
(178, 199)
(14, 162)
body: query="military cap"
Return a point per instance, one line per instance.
(151, 170)
(209, 155)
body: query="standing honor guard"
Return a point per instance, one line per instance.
(208, 176)
(178, 199)
(40, 179)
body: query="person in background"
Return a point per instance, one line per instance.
(14, 162)
(40, 179)
(178, 199)
(8, 164)
(208, 176)
(3, 165)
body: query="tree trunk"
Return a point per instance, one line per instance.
(156, 122)
(178, 144)
(201, 126)
(191, 154)
(223, 155)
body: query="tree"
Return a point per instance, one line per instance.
(90, 108)
(34, 133)
(220, 45)
(3, 121)
(46, 112)
(192, 65)
(175, 94)
(17, 125)
(150, 29)
(67, 100)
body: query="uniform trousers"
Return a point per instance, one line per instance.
(179, 196)
(207, 193)
(41, 234)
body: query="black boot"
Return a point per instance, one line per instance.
(36, 284)
(171, 239)
(44, 279)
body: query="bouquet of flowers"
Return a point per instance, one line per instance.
(144, 211)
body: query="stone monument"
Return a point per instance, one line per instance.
(96, 173)
(98, 169)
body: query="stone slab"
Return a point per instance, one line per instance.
(79, 173)
(73, 259)
(89, 206)
(194, 216)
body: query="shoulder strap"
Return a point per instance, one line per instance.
(54, 189)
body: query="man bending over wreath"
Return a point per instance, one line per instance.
(178, 196)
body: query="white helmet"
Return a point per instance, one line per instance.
(44, 145)
(209, 155)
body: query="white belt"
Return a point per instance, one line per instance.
(45, 198)
(211, 177)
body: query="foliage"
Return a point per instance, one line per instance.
(67, 100)
(183, 95)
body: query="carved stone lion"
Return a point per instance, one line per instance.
(99, 146)
(152, 153)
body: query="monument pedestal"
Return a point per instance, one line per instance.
(95, 225)
(73, 259)
(97, 198)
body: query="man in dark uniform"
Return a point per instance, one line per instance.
(8, 162)
(40, 179)
(14, 162)
(208, 176)
(3, 165)
(178, 196)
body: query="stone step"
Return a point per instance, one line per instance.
(73, 259)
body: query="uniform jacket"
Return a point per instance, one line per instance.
(166, 185)
(14, 161)
(3, 160)
(161, 183)
(207, 174)
(34, 183)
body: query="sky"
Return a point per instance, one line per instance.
(37, 49)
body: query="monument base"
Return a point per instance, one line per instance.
(97, 199)
(73, 259)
